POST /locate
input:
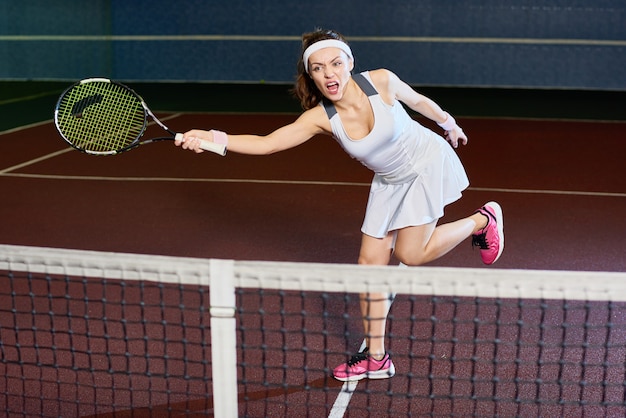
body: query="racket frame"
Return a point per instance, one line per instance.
(205, 145)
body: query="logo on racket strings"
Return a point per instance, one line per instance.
(80, 106)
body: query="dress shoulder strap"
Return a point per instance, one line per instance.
(329, 107)
(365, 85)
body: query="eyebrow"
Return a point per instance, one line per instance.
(332, 60)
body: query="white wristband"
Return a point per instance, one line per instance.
(449, 124)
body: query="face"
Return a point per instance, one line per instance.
(330, 70)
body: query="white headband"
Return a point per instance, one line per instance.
(326, 43)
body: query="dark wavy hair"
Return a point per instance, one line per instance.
(305, 89)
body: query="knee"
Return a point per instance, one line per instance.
(374, 258)
(411, 258)
(375, 251)
(365, 259)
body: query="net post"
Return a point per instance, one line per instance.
(223, 338)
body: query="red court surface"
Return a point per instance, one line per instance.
(561, 185)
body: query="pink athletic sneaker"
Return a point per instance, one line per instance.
(490, 239)
(362, 366)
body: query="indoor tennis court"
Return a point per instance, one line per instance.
(102, 344)
(305, 205)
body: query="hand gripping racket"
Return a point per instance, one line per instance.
(102, 117)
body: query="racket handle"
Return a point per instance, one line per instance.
(208, 146)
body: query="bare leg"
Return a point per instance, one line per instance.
(375, 306)
(417, 245)
(414, 246)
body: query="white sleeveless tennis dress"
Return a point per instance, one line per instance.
(416, 171)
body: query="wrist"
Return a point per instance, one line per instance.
(219, 137)
(449, 124)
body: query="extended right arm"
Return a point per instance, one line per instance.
(309, 124)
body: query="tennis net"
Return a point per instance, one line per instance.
(85, 333)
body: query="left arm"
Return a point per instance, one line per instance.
(397, 89)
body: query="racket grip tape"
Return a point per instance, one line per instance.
(208, 145)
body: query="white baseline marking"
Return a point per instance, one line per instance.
(6, 173)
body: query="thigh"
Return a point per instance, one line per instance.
(376, 250)
(415, 235)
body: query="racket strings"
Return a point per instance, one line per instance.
(101, 117)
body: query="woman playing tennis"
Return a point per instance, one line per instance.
(417, 173)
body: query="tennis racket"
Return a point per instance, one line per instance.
(101, 117)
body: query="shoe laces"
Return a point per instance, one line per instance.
(357, 358)
(480, 240)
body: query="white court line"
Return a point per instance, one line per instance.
(34, 161)
(25, 127)
(348, 388)
(53, 154)
(7, 173)
(31, 97)
(344, 396)
(343, 400)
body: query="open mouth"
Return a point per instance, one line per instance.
(332, 87)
